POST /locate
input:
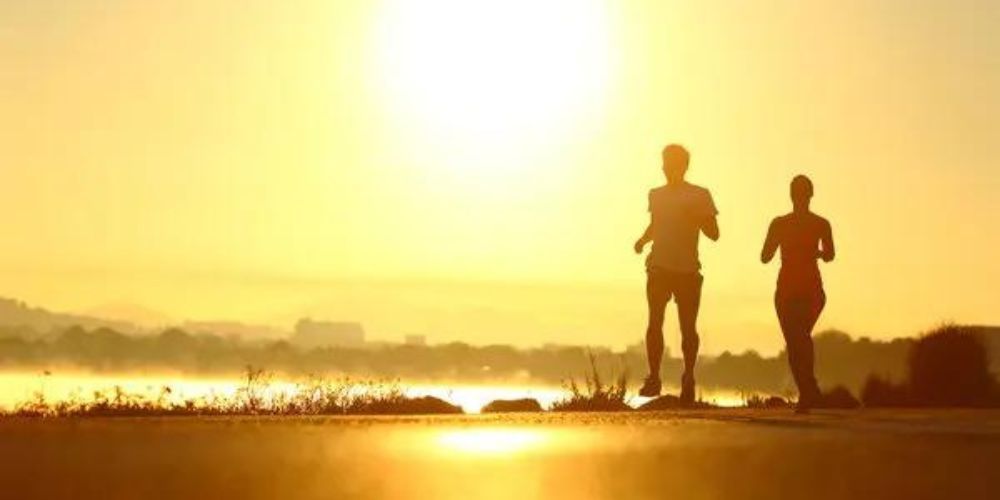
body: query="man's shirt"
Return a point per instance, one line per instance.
(678, 213)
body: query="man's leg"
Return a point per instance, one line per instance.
(657, 296)
(688, 303)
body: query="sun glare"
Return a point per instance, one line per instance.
(494, 76)
(491, 441)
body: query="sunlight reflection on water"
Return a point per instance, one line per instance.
(18, 387)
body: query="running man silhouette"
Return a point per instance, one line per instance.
(804, 238)
(679, 213)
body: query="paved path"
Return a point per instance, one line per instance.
(720, 454)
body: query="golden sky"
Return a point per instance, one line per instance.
(477, 170)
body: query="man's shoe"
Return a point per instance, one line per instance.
(809, 401)
(651, 387)
(687, 389)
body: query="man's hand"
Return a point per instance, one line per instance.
(646, 237)
(640, 244)
(710, 227)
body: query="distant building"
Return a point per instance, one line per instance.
(311, 334)
(416, 340)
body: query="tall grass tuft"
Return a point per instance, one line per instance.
(595, 395)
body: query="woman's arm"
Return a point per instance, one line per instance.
(827, 251)
(770, 243)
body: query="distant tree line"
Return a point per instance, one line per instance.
(841, 360)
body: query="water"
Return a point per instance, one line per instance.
(17, 387)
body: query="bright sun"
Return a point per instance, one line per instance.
(491, 75)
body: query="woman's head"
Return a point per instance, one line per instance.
(802, 192)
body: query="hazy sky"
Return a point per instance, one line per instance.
(477, 170)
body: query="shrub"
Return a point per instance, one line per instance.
(513, 406)
(671, 402)
(839, 398)
(881, 393)
(950, 367)
(758, 402)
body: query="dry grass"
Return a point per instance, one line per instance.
(595, 395)
(257, 396)
(758, 402)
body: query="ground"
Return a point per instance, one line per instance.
(714, 454)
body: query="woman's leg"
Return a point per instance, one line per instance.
(797, 316)
(812, 308)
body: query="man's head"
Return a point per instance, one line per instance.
(802, 192)
(675, 162)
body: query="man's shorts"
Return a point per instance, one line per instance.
(662, 285)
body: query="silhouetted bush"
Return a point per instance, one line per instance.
(948, 367)
(671, 402)
(424, 405)
(882, 393)
(758, 402)
(839, 398)
(513, 406)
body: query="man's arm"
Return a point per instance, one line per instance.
(646, 237)
(770, 243)
(710, 223)
(827, 251)
(711, 228)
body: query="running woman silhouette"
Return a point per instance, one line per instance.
(804, 238)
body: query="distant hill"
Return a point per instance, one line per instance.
(16, 315)
(21, 320)
(131, 313)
